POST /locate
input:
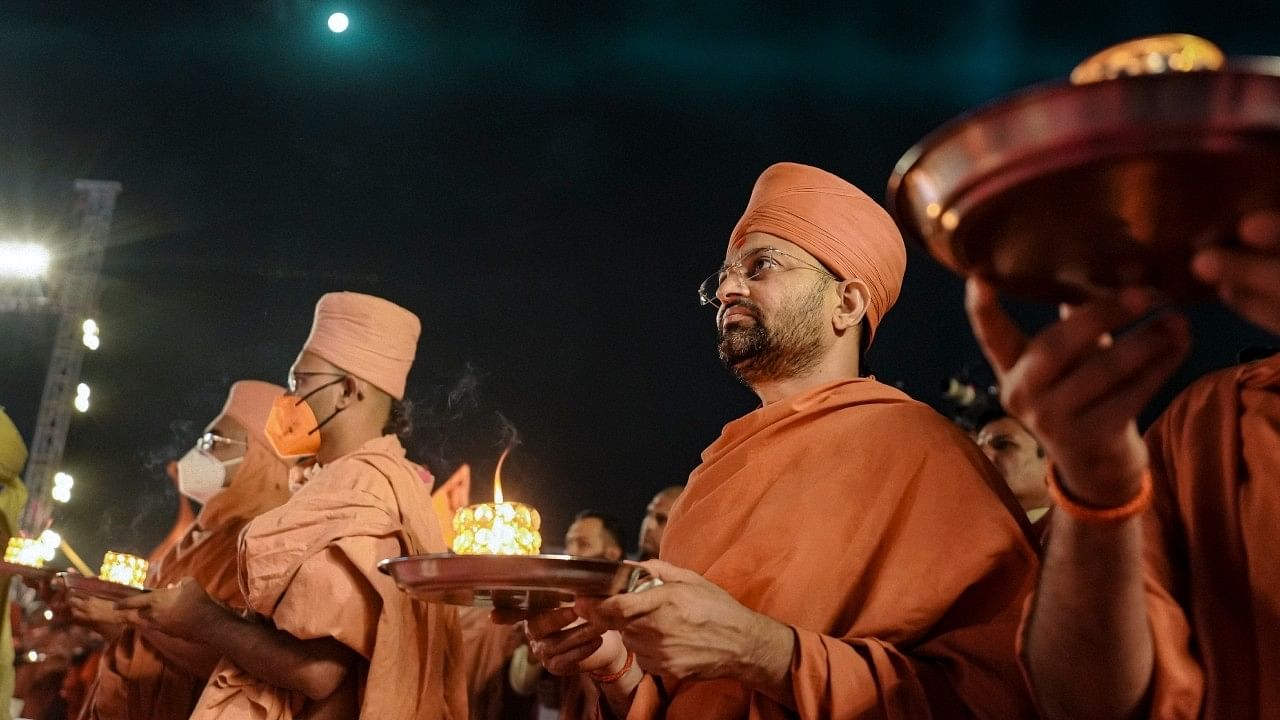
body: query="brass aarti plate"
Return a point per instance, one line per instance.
(512, 581)
(97, 587)
(1066, 191)
(26, 571)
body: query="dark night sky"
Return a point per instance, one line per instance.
(543, 183)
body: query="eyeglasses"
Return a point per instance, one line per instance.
(756, 265)
(293, 378)
(209, 440)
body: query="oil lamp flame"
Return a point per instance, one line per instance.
(497, 528)
(497, 478)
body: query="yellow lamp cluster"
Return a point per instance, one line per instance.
(124, 569)
(503, 528)
(31, 552)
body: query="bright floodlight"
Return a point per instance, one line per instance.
(50, 539)
(338, 22)
(61, 494)
(81, 403)
(62, 479)
(82, 390)
(23, 260)
(90, 327)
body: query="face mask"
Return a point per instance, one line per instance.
(202, 476)
(292, 429)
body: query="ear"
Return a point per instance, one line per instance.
(613, 552)
(854, 301)
(353, 390)
(451, 496)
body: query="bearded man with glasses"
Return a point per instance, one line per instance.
(843, 551)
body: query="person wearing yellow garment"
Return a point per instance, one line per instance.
(13, 496)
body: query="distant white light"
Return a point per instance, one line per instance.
(90, 339)
(23, 260)
(33, 655)
(62, 479)
(339, 22)
(61, 494)
(82, 398)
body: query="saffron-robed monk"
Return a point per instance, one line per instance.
(841, 552)
(1161, 584)
(331, 636)
(236, 476)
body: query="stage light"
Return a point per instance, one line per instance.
(23, 260)
(339, 22)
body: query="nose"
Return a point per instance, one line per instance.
(734, 285)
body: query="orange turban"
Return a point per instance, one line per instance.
(371, 338)
(835, 222)
(249, 403)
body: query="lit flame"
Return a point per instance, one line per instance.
(497, 478)
(497, 528)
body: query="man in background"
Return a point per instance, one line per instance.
(655, 522)
(1024, 465)
(595, 535)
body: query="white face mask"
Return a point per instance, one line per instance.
(202, 476)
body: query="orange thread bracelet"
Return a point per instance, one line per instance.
(614, 676)
(1093, 514)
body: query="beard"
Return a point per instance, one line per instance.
(786, 347)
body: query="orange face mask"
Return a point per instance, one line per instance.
(292, 428)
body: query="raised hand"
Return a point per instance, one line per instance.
(1078, 388)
